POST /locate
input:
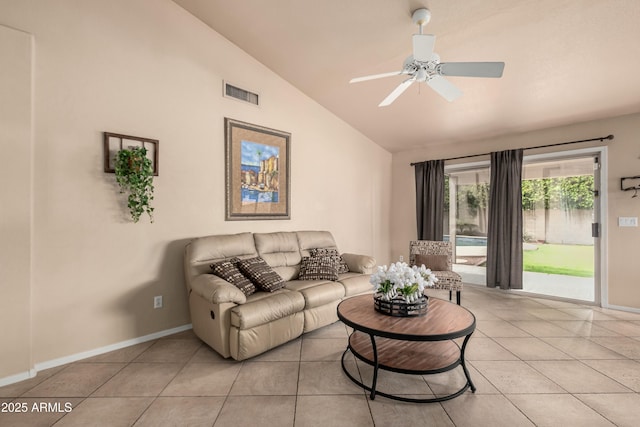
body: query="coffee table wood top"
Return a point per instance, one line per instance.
(443, 321)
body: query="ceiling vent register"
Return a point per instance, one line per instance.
(231, 91)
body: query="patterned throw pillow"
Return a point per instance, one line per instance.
(318, 268)
(228, 271)
(434, 262)
(259, 272)
(340, 262)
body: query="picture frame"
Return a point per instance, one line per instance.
(257, 172)
(114, 142)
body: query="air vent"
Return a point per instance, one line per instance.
(231, 91)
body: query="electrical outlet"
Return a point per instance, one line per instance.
(401, 258)
(628, 221)
(157, 301)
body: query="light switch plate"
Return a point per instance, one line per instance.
(628, 221)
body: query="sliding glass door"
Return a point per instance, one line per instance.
(559, 210)
(560, 223)
(465, 221)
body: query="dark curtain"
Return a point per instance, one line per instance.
(430, 199)
(504, 237)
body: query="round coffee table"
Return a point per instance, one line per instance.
(409, 345)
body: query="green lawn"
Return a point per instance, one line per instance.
(569, 260)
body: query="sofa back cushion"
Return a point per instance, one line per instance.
(204, 251)
(315, 239)
(281, 252)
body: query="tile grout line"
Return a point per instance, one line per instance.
(168, 382)
(295, 403)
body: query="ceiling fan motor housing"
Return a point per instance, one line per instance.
(412, 67)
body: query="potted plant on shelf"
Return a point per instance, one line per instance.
(134, 174)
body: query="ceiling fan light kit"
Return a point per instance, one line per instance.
(424, 66)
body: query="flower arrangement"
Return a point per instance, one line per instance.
(398, 280)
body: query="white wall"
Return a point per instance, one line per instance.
(623, 160)
(148, 68)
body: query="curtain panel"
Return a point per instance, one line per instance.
(430, 199)
(504, 237)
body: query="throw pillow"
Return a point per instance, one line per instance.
(228, 271)
(340, 262)
(259, 272)
(434, 262)
(318, 268)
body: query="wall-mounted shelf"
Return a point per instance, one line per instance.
(114, 142)
(633, 183)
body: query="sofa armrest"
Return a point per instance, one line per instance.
(360, 263)
(217, 290)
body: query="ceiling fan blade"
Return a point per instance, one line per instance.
(444, 87)
(396, 92)
(423, 46)
(374, 76)
(471, 69)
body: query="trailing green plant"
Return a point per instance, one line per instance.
(134, 174)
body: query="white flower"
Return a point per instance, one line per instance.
(398, 276)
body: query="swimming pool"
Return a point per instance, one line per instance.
(468, 240)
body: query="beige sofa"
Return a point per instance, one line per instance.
(240, 326)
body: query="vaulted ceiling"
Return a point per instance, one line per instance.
(567, 61)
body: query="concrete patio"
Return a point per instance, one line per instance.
(556, 285)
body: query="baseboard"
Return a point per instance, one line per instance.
(90, 353)
(622, 308)
(18, 377)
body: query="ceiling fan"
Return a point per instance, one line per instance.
(425, 66)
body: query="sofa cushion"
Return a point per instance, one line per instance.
(434, 262)
(342, 265)
(228, 271)
(318, 268)
(263, 309)
(260, 274)
(317, 293)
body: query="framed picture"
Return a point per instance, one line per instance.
(114, 142)
(257, 172)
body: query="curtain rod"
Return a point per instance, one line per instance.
(601, 139)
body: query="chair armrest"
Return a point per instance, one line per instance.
(360, 263)
(217, 290)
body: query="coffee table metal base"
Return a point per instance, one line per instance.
(407, 357)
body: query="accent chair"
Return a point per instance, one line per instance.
(437, 255)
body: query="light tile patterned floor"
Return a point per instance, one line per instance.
(534, 362)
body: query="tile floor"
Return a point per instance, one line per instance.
(534, 362)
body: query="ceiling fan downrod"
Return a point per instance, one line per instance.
(421, 17)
